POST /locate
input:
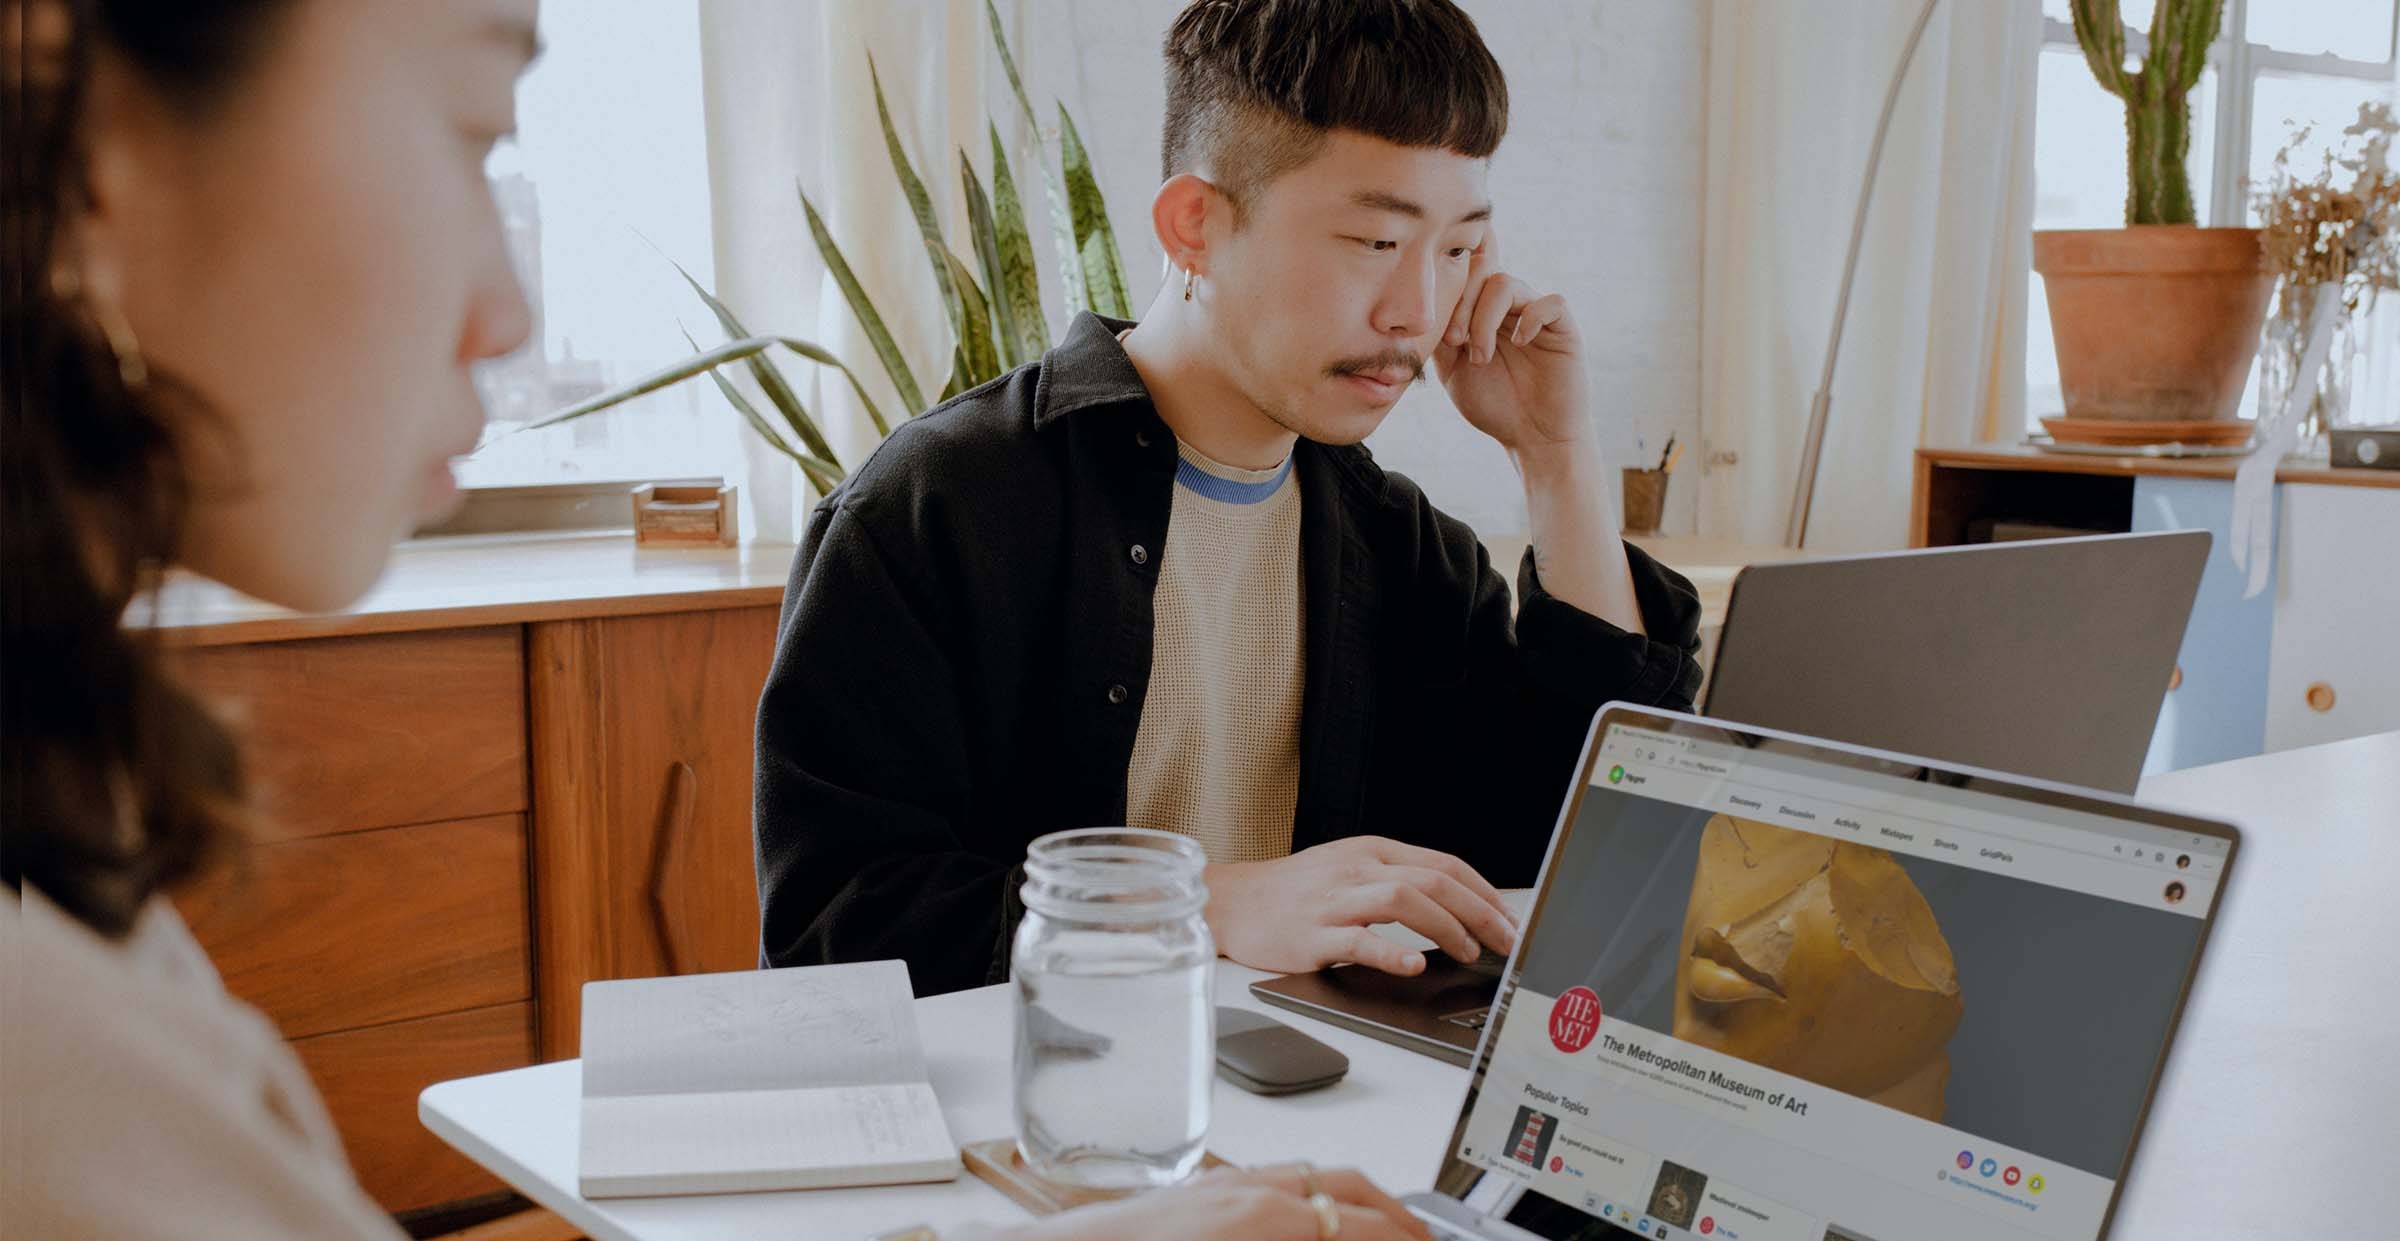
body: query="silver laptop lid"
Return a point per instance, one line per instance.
(1775, 989)
(2048, 659)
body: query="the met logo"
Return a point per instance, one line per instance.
(1574, 1019)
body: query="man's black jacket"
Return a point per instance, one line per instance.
(966, 641)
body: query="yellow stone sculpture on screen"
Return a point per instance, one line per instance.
(1819, 958)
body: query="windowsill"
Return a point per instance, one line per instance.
(459, 581)
(597, 507)
(526, 540)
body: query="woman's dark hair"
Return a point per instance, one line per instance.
(1254, 86)
(115, 781)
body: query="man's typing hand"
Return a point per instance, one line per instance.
(1312, 909)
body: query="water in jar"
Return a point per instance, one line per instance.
(1115, 1056)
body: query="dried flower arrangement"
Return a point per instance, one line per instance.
(2338, 230)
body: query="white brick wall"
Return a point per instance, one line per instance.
(1597, 189)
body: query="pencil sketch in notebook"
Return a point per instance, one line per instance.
(771, 1079)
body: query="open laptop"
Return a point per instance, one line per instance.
(2046, 659)
(1777, 989)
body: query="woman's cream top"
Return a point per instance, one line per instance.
(138, 1099)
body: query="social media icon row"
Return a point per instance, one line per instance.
(1990, 1167)
(1644, 1225)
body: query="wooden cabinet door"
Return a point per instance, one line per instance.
(371, 1077)
(356, 733)
(334, 933)
(642, 730)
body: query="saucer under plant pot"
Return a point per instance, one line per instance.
(2155, 323)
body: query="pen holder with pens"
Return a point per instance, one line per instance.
(1645, 500)
(1645, 491)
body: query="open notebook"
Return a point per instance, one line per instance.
(764, 1079)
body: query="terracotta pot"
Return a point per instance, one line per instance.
(2157, 322)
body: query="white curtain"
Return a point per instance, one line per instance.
(789, 104)
(1934, 349)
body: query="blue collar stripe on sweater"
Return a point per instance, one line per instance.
(1226, 490)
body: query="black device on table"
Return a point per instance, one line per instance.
(1265, 1056)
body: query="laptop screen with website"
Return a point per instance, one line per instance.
(1775, 992)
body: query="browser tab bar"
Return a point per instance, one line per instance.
(2121, 861)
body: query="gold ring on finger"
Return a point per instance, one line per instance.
(1329, 1216)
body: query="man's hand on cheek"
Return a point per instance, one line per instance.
(1513, 360)
(1312, 909)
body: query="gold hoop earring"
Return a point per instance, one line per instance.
(67, 285)
(1189, 275)
(131, 367)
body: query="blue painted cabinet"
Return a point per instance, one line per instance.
(2218, 708)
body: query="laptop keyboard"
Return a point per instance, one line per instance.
(1449, 1232)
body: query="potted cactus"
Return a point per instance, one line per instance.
(2156, 323)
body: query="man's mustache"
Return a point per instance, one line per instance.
(1414, 364)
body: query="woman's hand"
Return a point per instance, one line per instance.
(1267, 1204)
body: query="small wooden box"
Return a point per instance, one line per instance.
(685, 516)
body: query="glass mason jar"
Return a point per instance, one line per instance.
(1115, 978)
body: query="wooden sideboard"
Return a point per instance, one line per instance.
(514, 768)
(2308, 660)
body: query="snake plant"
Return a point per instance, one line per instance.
(994, 308)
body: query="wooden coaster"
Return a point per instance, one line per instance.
(998, 1163)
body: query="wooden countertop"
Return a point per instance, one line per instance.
(2026, 457)
(1711, 564)
(462, 582)
(476, 580)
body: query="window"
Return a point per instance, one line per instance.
(2276, 64)
(603, 191)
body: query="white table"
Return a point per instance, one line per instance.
(2279, 1116)
(1389, 1116)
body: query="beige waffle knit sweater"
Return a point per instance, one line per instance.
(1217, 757)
